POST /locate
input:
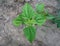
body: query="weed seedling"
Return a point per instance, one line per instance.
(30, 18)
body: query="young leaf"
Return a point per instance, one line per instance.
(58, 25)
(30, 22)
(57, 18)
(57, 21)
(17, 21)
(30, 33)
(50, 17)
(40, 19)
(40, 7)
(28, 11)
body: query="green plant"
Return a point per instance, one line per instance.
(30, 18)
(57, 19)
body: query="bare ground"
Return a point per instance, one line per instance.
(47, 35)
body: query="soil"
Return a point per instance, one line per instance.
(47, 35)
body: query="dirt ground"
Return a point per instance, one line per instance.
(47, 35)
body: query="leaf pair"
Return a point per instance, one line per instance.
(42, 15)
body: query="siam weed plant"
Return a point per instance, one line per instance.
(30, 17)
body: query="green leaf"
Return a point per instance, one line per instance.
(57, 21)
(17, 21)
(58, 14)
(30, 33)
(28, 11)
(40, 19)
(50, 16)
(30, 22)
(57, 18)
(58, 25)
(40, 7)
(41, 22)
